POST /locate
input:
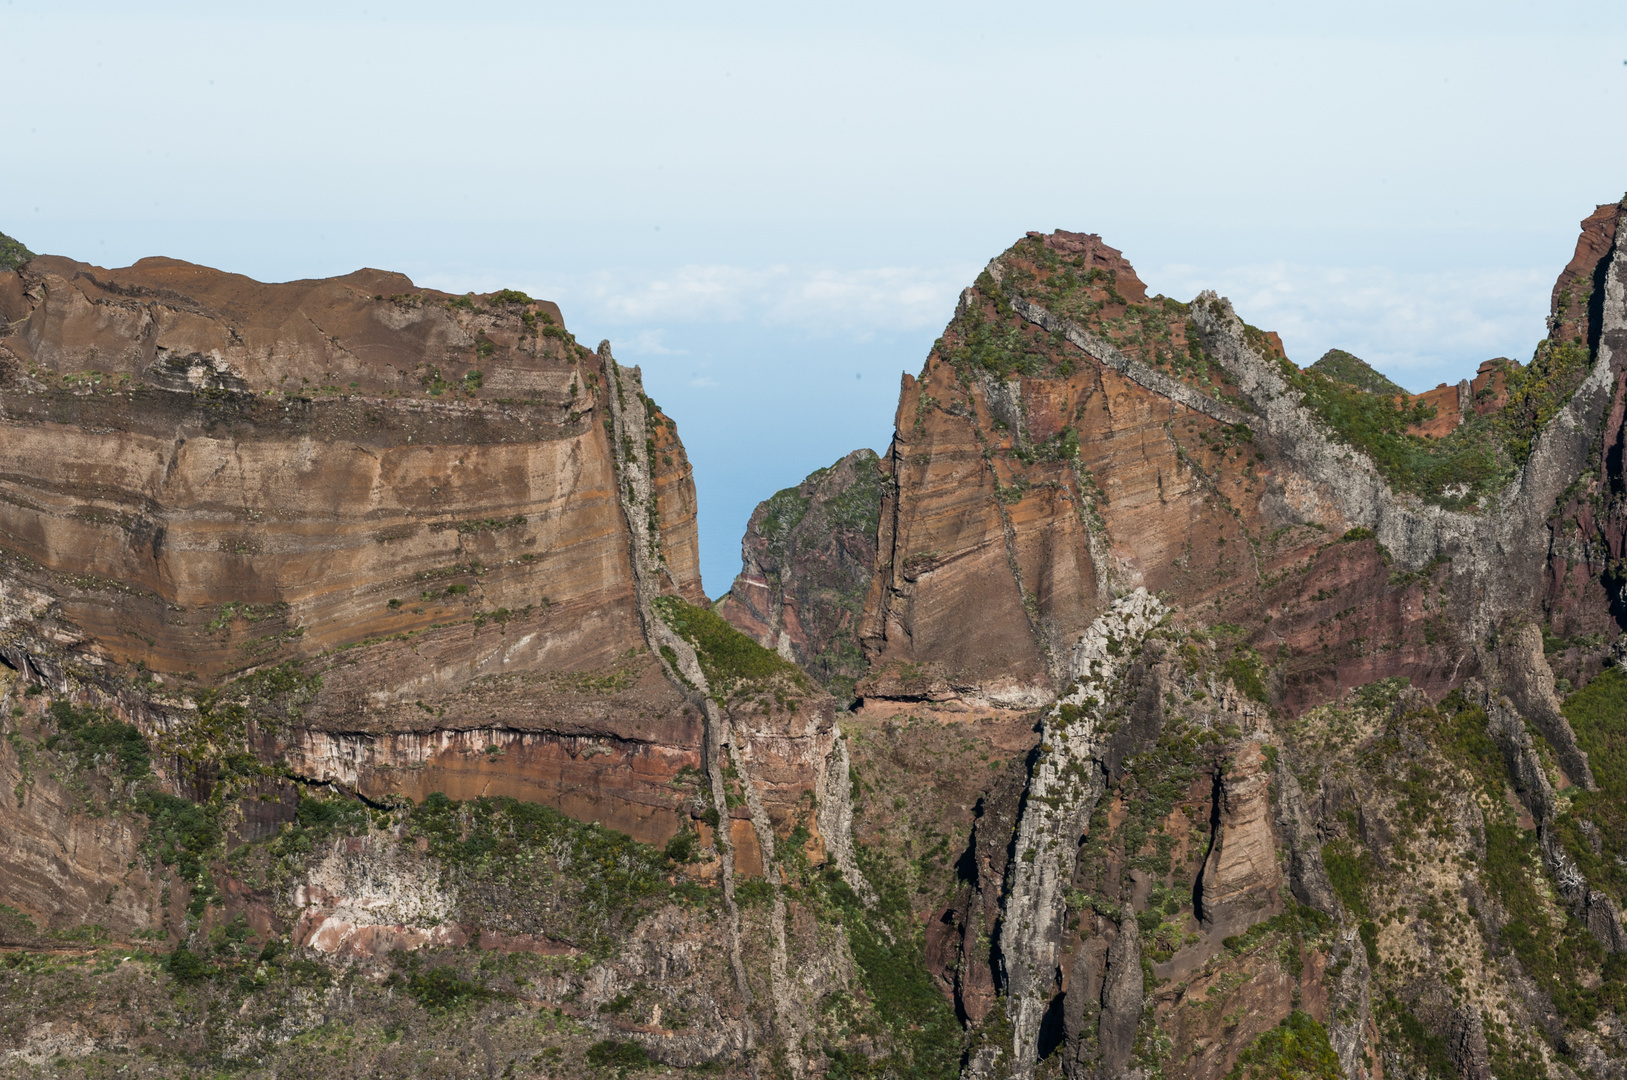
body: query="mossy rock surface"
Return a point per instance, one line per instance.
(12, 253)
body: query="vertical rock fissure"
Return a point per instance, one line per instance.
(789, 1032)
(835, 817)
(629, 428)
(1097, 543)
(1036, 626)
(634, 481)
(1217, 794)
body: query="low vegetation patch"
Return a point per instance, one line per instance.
(733, 664)
(1296, 1049)
(91, 734)
(1353, 371)
(12, 253)
(1595, 830)
(1474, 460)
(527, 868)
(623, 1056)
(441, 990)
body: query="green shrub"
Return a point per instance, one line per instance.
(1348, 873)
(439, 990)
(1296, 1049)
(186, 966)
(1467, 458)
(12, 253)
(611, 1054)
(181, 833)
(1556, 957)
(1244, 671)
(92, 733)
(681, 848)
(1368, 929)
(509, 296)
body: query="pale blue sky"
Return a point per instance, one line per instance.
(772, 211)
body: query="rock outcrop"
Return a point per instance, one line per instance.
(1071, 445)
(1068, 440)
(402, 527)
(807, 560)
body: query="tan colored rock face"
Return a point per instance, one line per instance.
(322, 470)
(1240, 879)
(1001, 545)
(409, 495)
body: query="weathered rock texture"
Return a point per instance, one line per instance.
(807, 560)
(1069, 439)
(406, 521)
(1135, 784)
(1071, 444)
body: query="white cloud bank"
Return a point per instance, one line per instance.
(1418, 327)
(818, 299)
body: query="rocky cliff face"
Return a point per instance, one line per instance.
(307, 588)
(1068, 439)
(808, 557)
(1315, 541)
(1209, 717)
(403, 542)
(398, 506)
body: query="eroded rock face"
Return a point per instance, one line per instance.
(61, 863)
(207, 473)
(414, 534)
(1067, 441)
(808, 556)
(1240, 878)
(1134, 608)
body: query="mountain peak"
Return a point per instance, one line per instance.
(1354, 371)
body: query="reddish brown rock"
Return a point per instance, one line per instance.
(1576, 307)
(1066, 441)
(390, 521)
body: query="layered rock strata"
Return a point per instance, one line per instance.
(1072, 445)
(1069, 439)
(415, 535)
